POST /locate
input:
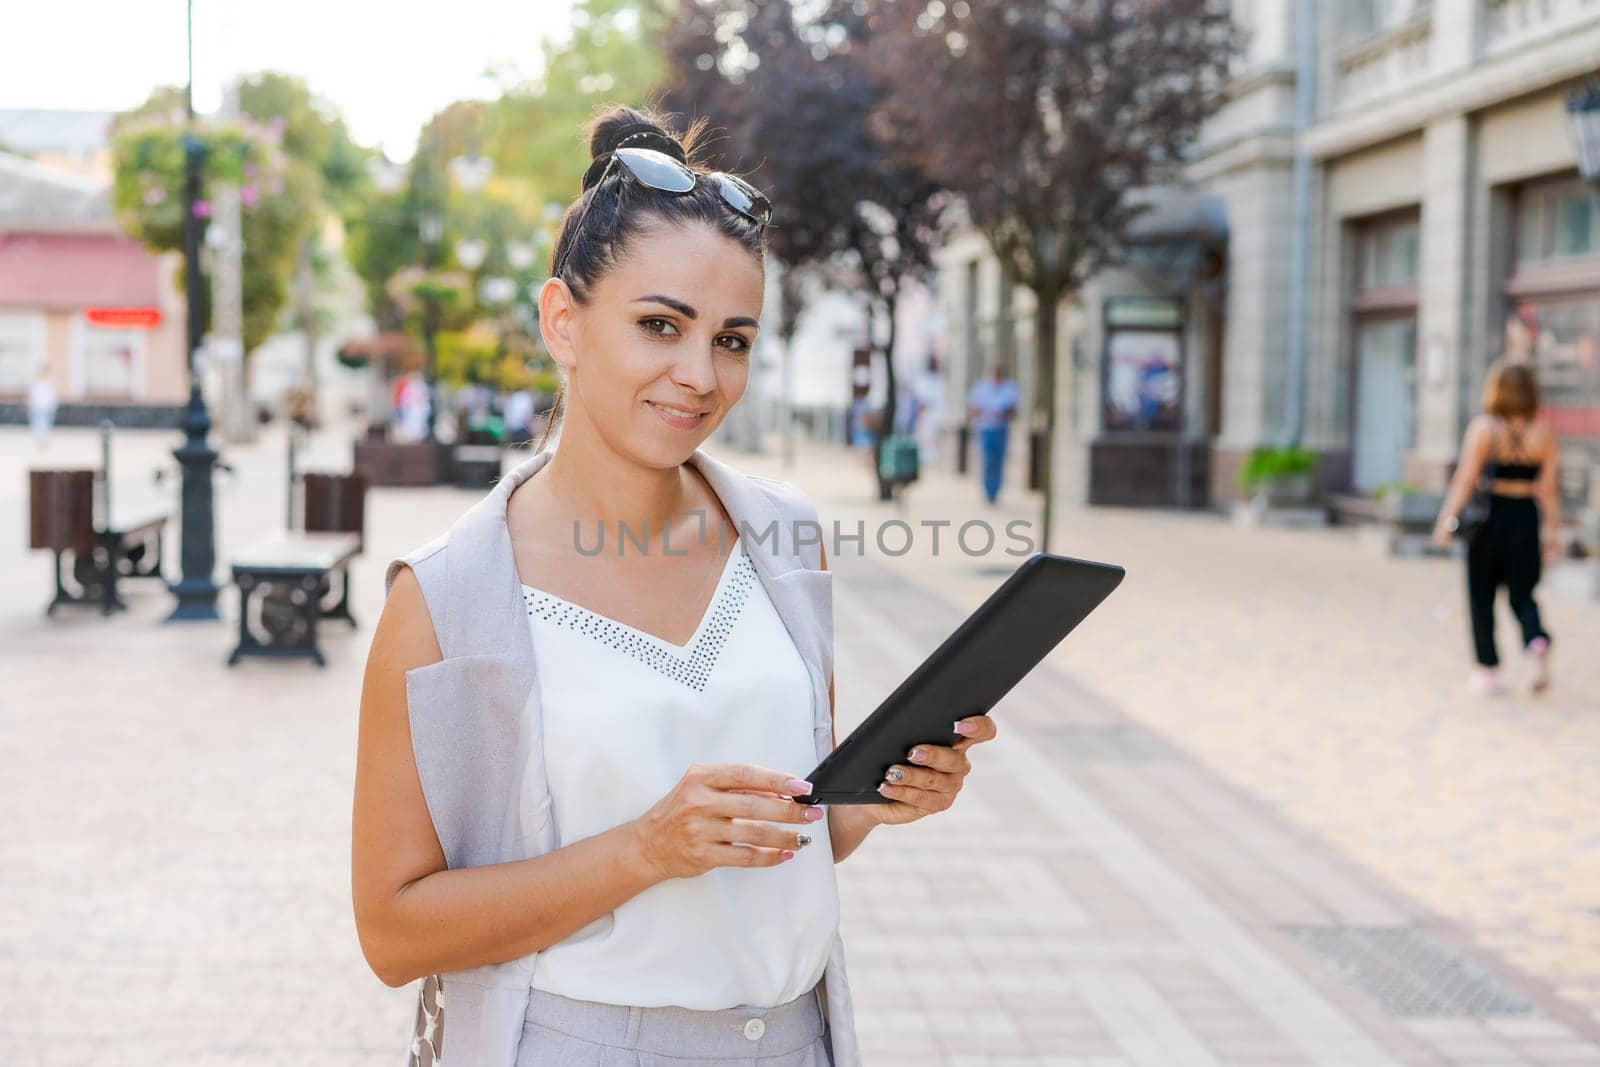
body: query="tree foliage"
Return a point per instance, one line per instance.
(292, 160)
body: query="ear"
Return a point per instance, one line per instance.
(558, 325)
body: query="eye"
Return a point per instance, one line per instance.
(650, 326)
(740, 345)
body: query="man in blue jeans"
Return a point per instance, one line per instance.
(991, 404)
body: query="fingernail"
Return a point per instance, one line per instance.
(797, 787)
(966, 729)
(804, 839)
(896, 775)
(812, 814)
(788, 855)
(917, 755)
(884, 789)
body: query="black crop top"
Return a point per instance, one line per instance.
(1514, 472)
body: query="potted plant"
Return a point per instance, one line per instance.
(1279, 476)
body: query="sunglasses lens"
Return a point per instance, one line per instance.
(656, 169)
(744, 198)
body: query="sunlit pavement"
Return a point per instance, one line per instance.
(1257, 755)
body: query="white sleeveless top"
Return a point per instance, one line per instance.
(625, 714)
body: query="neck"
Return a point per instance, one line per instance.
(598, 484)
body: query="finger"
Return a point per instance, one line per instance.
(760, 807)
(749, 856)
(922, 778)
(921, 799)
(976, 729)
(743, 831)
(750, 776)
(940, 758)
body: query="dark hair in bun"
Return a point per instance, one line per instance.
(619, 208)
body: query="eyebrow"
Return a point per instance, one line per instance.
(688, 312)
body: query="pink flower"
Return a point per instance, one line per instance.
(202, 209)
(249, 194)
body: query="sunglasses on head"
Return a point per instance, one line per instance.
(659, 171)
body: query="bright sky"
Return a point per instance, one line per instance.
(386, 66)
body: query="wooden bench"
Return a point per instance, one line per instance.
(105, 549)
(477, 466)
(288, 575)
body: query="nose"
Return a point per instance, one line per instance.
(695, 370)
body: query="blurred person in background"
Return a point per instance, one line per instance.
(518, 411)
(930, 397)
(42, 404)
(991, 405)
(1515, 458)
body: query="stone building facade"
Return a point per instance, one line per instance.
(1443, 223)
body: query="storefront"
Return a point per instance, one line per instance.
(1552, 302)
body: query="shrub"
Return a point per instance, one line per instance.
(1270, 464)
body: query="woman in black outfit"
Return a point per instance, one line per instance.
(1515, 459)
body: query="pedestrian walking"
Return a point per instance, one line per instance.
(526, 837)
(1508, 462)
(42, 406)
(991, 405)
(518, 413)
(930, 396)
(412, 409)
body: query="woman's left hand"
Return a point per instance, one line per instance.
(931, 777)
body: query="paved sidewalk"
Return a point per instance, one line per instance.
(1113, 888)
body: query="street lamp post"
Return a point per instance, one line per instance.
(197, 589)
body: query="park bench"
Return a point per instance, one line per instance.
(284, 580)
(477, 466)
(119, 541)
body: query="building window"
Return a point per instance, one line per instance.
(1389, 254)
(1364, 18)
(1560, 335)
(1384, 347)
(1143, 386)
(1558, 221)
(110, 362)
(21, 350)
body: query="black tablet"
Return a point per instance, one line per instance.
(967, 675)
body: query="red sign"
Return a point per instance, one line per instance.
(125, 318)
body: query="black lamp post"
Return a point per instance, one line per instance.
(197, 589)
(431, 230)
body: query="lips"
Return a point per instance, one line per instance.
(676, 417)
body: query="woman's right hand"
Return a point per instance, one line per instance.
(695, 827)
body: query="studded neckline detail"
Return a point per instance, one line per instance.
(690, 664)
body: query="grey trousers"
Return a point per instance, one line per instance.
(559, 1032)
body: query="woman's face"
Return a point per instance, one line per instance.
(661, 351)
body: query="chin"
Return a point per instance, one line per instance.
(661, 447)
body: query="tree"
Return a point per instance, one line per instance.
(1044, 116)
(292, 158)
(803, 108)
(534, 129)
(148, 155)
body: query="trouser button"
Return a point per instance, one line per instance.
(754, 1029)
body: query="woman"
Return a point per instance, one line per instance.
(1516, 456)
(524, 822)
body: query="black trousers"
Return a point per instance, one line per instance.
(1504, 552)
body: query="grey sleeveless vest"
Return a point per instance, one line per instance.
(476, 734)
